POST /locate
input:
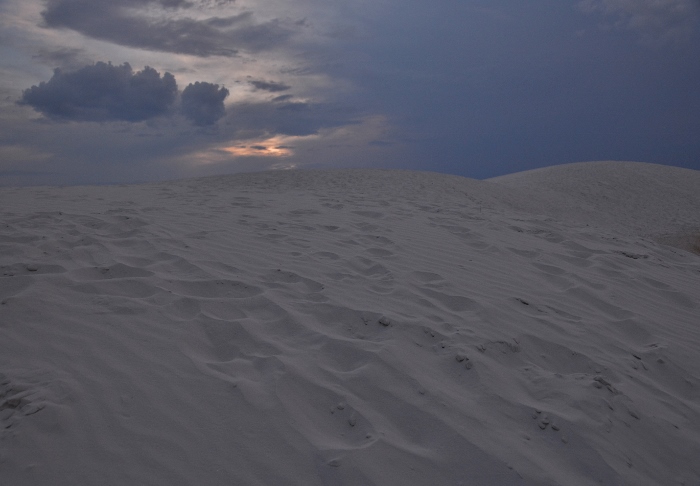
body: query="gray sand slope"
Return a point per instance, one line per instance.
(353, 327)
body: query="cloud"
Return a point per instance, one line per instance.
(247, 120)
(270, 86)
(655, 20)
(286, 97)
(103, 92)
(163, 25)
(63, 57)
(203, 103)
(87, 153)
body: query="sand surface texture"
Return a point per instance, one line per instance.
(354, 327)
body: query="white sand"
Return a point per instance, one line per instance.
(354, 327)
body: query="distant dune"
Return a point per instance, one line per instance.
(354, 327)
(645, 199)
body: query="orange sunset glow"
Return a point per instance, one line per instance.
(272, 147)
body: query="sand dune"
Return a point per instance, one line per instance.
(353, 327)
(650, 200)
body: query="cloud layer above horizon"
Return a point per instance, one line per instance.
(477, 88)
(172, 26)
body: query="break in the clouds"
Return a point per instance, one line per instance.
(203, 103)
(655, 20)
(164, 25)
(103, 92)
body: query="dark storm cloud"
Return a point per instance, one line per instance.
(655, 20)
(119, 22)
(505, 86)
(270, 86)
(203, 103)
(103, 92)
(250, 120)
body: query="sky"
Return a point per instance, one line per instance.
(119, 91)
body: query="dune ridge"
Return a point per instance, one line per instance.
(352, 327)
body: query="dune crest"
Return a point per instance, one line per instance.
(352, 327)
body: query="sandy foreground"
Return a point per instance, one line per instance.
(354, 327)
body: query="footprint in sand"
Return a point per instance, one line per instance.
(211, 288)
(330, 227)
(16, 400)
(301, 212)
(369, 268)
(591, 300)
(340, 322)
(341, 355)
(532, 254)
(125, 287)
(16, 278)
(11, 286)
(116, 271)
(367, 227)
(380, 252)
(454, 303)
(369, 214)
(30, 269)
(374, 241)
(278, 278)
(533, 309)
(235, 339)
(549, 269)
(333, 205)
(327, 255)
(183, 309)
(426, 277)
